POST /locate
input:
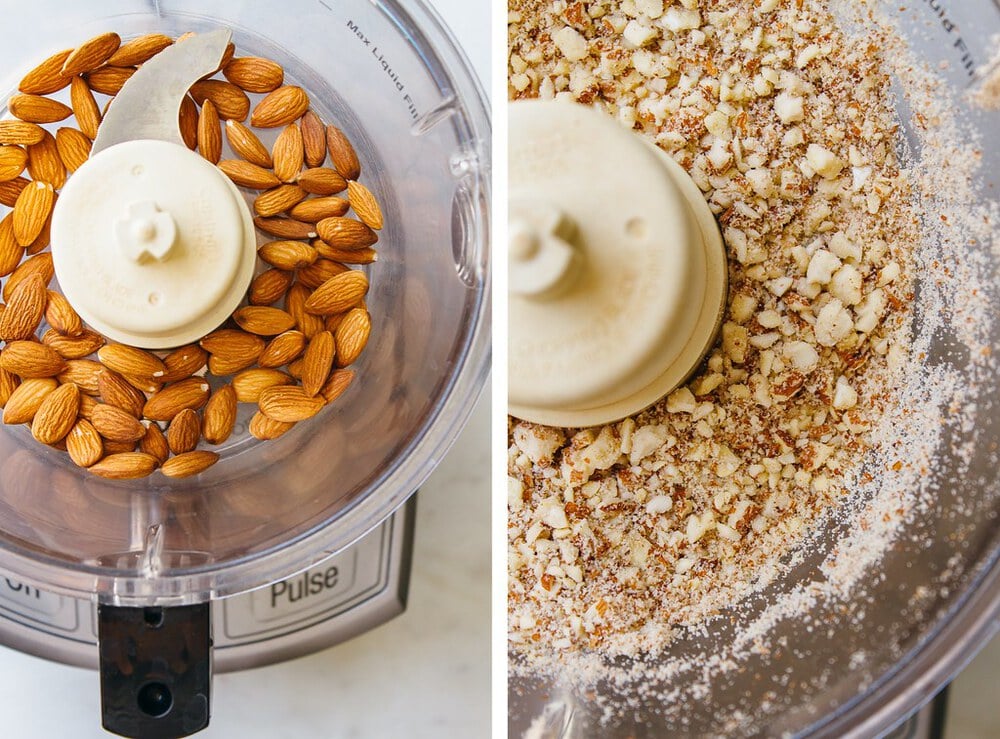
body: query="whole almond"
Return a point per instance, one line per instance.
(321, 181)
(338, 294)
(11, 190)
(313, 139)
(249, 384)
(189, 464)
(125, 466)
(295, 369)
(342, 153)
(267, 429)
(11, 252)
(144, 384)
(318, 209)
(209, 133)
(40, 264)
(295, 304)
(254, 74)
(345, 233)
(32, 211)
(109, 80)
(184, 432)
(287, 255)
(290, 403)
(41, 241)
(333, 322)
(317, 362)
(288, 153)
(283, 228)
(227, 341)
(30, 359)
(339, 381)
(263, 320)
(24, 310)
(60, 314)
(47, 77)
(38, 109)
(278, 200)
(115, 424)
(187, 121)
(184, 362)
(230, 101)
(283, 349)
(73, 347)
(221, 365)
(131, 361)
(88, 114)
(74, 148)
(140, 50)
(352, 336)
(227, 56)
(171, 400)
(246, 144)
(45, 164)
(13, 160)
(85, 373)
(220, 415)
(84, 444)
(24, 402)
(8, 384)
(269, 287)
(20, 133)
(115, 390)
(280, 107)
(117, 447)
(365, 205)
(87, 405)
(154, 443)
(91, 54)
(249, 175)
(56, 415)
(319, 272)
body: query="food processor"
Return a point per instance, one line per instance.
(292, 545)
(861, 663)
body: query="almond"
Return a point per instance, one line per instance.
(87, 405)
(20, 133)
(229, 100)
(278, 200)
(319, 272)
(280, 107)
(220, 415)
(60, 314)
(12, 189)
(171, 400)
(24, 310)
(140, 50)
(56, 415)
(352, 336)
(295, 369)
(117, 447)
(115, 424)
(345, 233)
(47, 77)
(339, 381)
(249, 384)
(45, 164)
(109, 80)
(317, 362)
(13, 160)
(91, 54)
(187, 121)
(73, 347)
(287, 255)
(84, 373)
(133, 362)
(209, 133)
(269, 287)
(313, 139)
(254, 74)
(115, 390)
(321, 181)
(342, 153)
(30, 359)
(8, 384)
(318, 209)
(37, 109)
(84, 444)
(267, 429)
(338, 294)
(249, 175)
(125, 466)
(288, 153)
(184, 432)
(230, 342)
(184, 362)
(290, 404)
(74, 148)
(190, 464)
(227, 56)
(333, 322)
(32, 211)
(40, 264)
(283, 349)
(295, 304)
(144, 384)
(88, 114)
(24, 402)
(263, 320)
(283, 228)
(246, 144)
(154, 443)
(11, 253)
(365, 205)
(41, 241)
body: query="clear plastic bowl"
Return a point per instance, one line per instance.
(393, 78)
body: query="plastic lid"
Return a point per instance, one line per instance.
(617, 268)
(152, 245)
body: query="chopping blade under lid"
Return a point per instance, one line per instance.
(617, 268)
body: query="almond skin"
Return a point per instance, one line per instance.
(20, 133)
(345, 256)
(24, 310)
(254, 74)
(140, 50)
(109, 80)
(220, 415)
(246, 144)
(338, 294)
(230, 101)
(70, 347)
(189, 464)
(24, 402)
(295, 304)
(115, 424)
(31, 211)
(235, 349)
(38, 109)
(288, 153)
(342, 153)
(267, 429)
(287, 255)
(290, 404)
(84, 444)
(40, 265)
(9, 382)
(11, 252)
(249, 384)
(115, 390)
(263, 320)
(283, 228)
(56, 415)
(187, 121)
(352, 336)
(125, 466)
(183, 362)
(321, 181)
(47, 77)
(319, 272)
(171, 400)
(61, 316)
(338, 383)
(278, 200)
(130, 361)
(365, 205)
(184, 432)
(346, 233)
(313, 139)
(317, 362)
(85, 373)
(74, 148)
(91, 54)
(45, 164)
(11, 190)
(280, 107)
(209, 133)
(269, 287)
(154, 443)
(88, 114)
(283, 349)
(13, 160)
(318, 209)
(29, 359)
(249, 175)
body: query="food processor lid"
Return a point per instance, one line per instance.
(617, 268)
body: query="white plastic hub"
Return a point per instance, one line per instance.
(152, 245)
(617, 268)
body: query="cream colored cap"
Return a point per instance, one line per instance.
(617, 268)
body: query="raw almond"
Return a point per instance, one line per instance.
(229, 100)
(45, 164)
(184, 432)
(117, 447)
(56, 415)
(295, 369)
(125, 466)
(13, 160)
(187, 121)
(345, 233)
(283, 349)
(278, 200)
(220, 415)
(24, 310)
(40, 264)
(154, 443)
(85, 373)
(131, 361)
(319, 272)
(254, 74)
(283, 228)
(109, 80)
(11, 190)
(365, 205)
(30, 359)
(61, 316)
(24, 402)
(8, 384)
(352, 336)
(287, 255)
(317, 362)
(73, 347)
(249, 175)
(171, 400)
(318, 209)
(280, 107)
(184, 362)
(31, 211)
(333, 322)
(144, 384)
(115, 424)
(288, 153)
(246, 144)
(339, 381)
(37, 109)
(84, 444)
(269, 287)
(221, 365)
(115, 390)
(11, 253)
(74, 148)
(140, 50)
(47, 77)
(87, 405)
(342, 153)
(41, 241)
(249, 384)
(227, 341)
(338, 294)
(295, 304)
(313, 139)
(267, 429)
(88, 114)
(321, 181)
(263, 320)
(290, 404)
(227, 56)
(91, 54)
(190, 464)
(20, 133)
(209, 133)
